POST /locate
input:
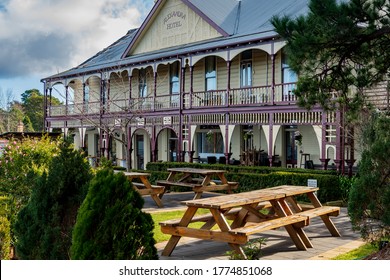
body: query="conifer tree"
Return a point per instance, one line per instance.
(338, 46)
(44, 226)
(338, 49)
(111, 224)
(369, 199)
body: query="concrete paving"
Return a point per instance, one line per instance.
(278, 243)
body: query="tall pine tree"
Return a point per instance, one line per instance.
(339, 47)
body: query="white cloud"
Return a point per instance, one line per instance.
(46, 36)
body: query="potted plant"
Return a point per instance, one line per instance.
(298, 138)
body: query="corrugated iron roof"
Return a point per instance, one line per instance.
(222, 13)
(244, 20)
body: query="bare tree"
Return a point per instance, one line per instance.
(108, 108)
(6, 99)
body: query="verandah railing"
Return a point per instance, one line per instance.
(251, 96)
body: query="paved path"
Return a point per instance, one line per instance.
(278, 244)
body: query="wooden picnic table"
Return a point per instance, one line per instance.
(144, 187)
(200, 180)
(251, 212)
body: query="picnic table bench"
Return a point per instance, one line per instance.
(144, 187)
(243, 210)
(199, 180)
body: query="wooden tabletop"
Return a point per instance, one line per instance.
(196, 170)
(246, 198)
(135, 174)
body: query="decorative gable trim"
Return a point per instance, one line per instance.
(206, 18)
(152, 13)
(142, 28)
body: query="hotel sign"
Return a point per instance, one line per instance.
(167, 120)
(174, 20)
(140, 121)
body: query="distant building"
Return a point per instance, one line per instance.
(198, 80)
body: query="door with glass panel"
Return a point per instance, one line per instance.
(139, 144)
(174, 85)
(246, 77)
(142, 89)
(289, 79)
(211, 81)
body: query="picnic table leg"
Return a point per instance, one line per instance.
(291, 200)
(185, 220)
(224, 226)
(325, 218)
(239, 250)
(157, 200)
(147, 185)
(166, 188)
(240, 218)
(197, 195)
(304, 237)
(297, 235)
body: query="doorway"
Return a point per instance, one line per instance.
(173, 146)
(291, 147)
(139, 142)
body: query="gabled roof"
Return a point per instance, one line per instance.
(112, 52)
(236, 20)
(219, 14)
(241, 17)
(211, 11)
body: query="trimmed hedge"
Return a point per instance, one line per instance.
(163, 166)
(5, 229)
(5, 238)
(251, 179)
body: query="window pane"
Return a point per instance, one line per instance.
(143, 88)
(86, 94)
(246, 55)
(249, 72)
(174, 78)
(211, 84)
(210, 67)
(243, 75)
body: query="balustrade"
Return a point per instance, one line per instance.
(283, 93)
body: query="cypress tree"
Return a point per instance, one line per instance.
(369, 200)
(111, 224)
(44, 226)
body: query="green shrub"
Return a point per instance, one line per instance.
(259, 177)
(111, 224)
(252, 250)
(369, 199)
(329, 185)
(44, 226)
(5, 228)
(5, 238)
(163, 166)
(22, 163)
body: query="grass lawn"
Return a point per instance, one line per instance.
(358, 253)
(170, 215)
(164, 216)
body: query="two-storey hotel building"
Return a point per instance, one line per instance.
(198, 81)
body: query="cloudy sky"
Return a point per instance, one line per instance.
(39, 38)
